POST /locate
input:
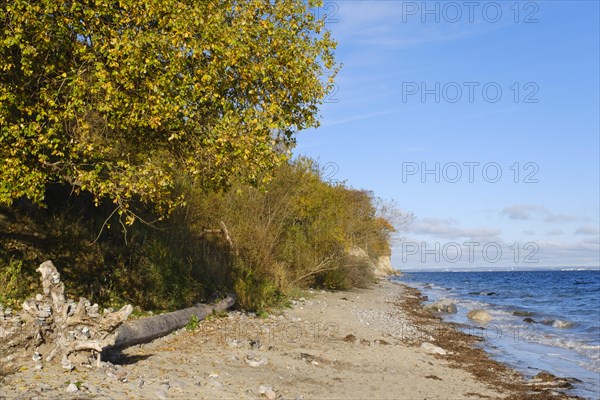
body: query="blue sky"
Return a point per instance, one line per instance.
(481, 87)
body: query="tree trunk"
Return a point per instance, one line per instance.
(147, 329)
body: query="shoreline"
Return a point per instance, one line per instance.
(362, 343)
(465, 354)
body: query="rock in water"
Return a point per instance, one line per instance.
(446, 306)
(479, 316)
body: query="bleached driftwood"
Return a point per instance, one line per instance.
(146, 329)
(54, 327)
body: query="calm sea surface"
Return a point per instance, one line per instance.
(565, 305)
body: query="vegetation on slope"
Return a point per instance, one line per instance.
(294, 234)
(145, 149)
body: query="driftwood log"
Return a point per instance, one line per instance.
(52, 327)
(147, 329)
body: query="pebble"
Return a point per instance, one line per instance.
(121, 375)
(267, 391)
(215, 384)
(432, 349)
(68, 366)
(44, 387)
(178, 384)
(72, 388)
(90, 388)
(256, 362)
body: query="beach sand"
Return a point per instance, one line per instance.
(359, 344)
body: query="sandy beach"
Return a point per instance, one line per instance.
(376, 343)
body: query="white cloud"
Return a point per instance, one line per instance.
(448, 229)
(583, 253)
(521, 211)
(591, 241)
(587, 230)
(539, 254)
(528, 212)
(559, 217)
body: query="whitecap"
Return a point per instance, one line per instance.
(563, 324)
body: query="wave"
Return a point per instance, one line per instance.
(559, 324)
(591, 352)
(472, 304)
(563, 324)
(579, 269)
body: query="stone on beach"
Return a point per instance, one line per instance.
(479, 315)
(432, 349)
(72, 388)
(267, 391)
(254, 361)
(446, 306)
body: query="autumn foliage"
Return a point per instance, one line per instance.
(122, 98)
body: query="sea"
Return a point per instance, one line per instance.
(561, 334)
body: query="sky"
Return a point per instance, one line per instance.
(480, 118)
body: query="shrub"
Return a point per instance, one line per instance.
(260, 244)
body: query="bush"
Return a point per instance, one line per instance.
(261, 244)
(296, 233)
(10, 275)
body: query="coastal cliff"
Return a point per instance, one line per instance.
(381, 266)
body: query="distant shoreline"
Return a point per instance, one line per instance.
(544, 269)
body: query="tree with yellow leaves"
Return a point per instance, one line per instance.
(126, 98)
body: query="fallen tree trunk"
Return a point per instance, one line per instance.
(147, 329)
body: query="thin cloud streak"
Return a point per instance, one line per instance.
(526, 212)
(334, 122)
